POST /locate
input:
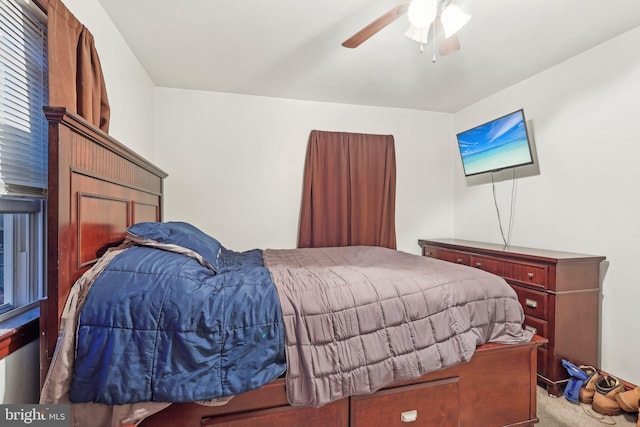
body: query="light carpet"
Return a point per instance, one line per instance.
(559, 412)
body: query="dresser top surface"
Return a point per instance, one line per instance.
(484, 247)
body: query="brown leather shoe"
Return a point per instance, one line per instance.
(628, 400)
(604, 399)
(589, 386)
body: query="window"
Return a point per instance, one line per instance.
(23, 154)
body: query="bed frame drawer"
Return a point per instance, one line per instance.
(430, 404)
(331, 415)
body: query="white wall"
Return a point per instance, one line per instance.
(20, 375)
(235, 164)
(129, 88)
(585, 118)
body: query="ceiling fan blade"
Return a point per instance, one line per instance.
(364, 34)
(448, 45)
(445, 45)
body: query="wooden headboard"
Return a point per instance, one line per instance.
(97, 188)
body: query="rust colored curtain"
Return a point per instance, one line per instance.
(75, 75)
(349, 191)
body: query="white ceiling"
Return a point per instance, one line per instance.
(291, 48)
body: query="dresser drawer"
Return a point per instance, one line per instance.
(429, 251)
(453, 256)
(536, 326)
(534, 303)
(531, 274)
(430, 404)
(446, 255)
(542, 357)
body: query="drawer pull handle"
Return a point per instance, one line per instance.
(531, 329)
(478, 264)
(427, 253)
(459, 260)
(409, 416)
(531, 303)
(530, 275)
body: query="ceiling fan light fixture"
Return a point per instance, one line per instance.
(453, 19)
(418, 34)
(422, 12)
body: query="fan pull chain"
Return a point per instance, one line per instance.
(433, 43)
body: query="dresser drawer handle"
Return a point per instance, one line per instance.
(478, 264)
(530, 275)
(531, 329)
(531, 303)
(409, 416)
(427, 253)
(459, 260)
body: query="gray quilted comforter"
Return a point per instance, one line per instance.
(359, 318)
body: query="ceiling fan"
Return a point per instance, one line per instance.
(437, 20)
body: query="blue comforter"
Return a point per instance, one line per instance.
(159, 326)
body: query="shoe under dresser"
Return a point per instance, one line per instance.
(559, 292)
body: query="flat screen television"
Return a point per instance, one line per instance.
(499, 144)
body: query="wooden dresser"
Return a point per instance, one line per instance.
(559, 292)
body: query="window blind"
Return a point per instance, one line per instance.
(23, 93)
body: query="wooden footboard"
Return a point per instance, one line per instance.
(496, 388)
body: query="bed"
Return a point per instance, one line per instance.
(98, 188)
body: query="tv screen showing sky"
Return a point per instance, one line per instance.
(499, 144)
